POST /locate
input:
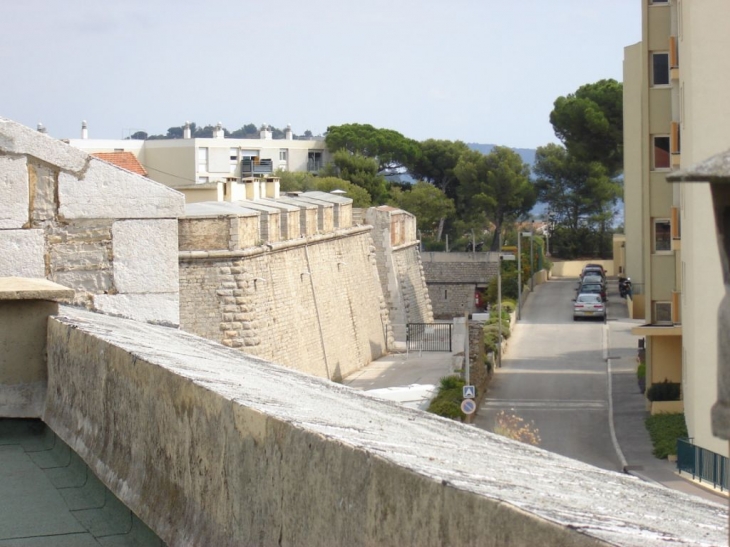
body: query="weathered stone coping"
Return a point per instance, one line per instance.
(405, 245)
(210, 446)
(27, 288)
(275, 246)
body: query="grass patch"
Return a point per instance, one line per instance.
(664, 430)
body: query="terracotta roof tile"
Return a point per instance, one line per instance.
(125, 160)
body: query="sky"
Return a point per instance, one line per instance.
(485, 71)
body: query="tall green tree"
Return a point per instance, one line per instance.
(435, 164)
(581, 196)
(589, 122)
(361, 171)
(496, 184)
(575, 190)
(390, 149)
(428, 203)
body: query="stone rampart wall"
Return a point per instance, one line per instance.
(412, 284)
(312, 304)
(244, 452)
(399, 267)
(107, 233)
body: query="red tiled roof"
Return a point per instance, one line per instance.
(125, 160)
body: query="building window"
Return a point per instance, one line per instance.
(660, 157)
(662, 235)
(202, 160)
(446, 294)
(660, 2)
(663, 312)
(659, 69)
(283, 154)
(202, 180)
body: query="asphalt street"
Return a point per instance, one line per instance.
(554, 377)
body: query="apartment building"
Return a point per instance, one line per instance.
(190, 162)
(676, 114)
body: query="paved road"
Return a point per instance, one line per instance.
(555, 375)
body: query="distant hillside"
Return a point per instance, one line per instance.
(527, 154)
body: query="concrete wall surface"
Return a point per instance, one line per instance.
(573, 268)
(211, 447)
(81, 222)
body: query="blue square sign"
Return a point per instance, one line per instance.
(469, 392)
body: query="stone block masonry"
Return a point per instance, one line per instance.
(312, 304)
(88, 225)
(399, 267)
(244, 452)
(453, 279)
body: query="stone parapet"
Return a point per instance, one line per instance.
(243, 452)
(86, 224)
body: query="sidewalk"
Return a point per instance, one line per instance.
(629, 410)
(407, 378)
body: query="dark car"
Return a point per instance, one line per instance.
(593, 279)
(593, 288)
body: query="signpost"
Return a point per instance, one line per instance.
(468, 406)
(469, 392)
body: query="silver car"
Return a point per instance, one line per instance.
(588, 305)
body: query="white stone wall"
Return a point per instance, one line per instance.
(314, 305)
(107, 233)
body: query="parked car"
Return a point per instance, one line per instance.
(589, 305)
(593, 279)
(594, 267)
(593, 270)
(592, 288)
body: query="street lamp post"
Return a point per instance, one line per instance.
(532, 258)
(519, 275)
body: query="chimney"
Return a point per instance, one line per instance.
(219, 133)
(187, 133)
(41, 128)
(265, 132)
(84, 130)
(288, 133)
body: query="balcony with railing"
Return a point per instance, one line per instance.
(704, 465)
(254, 166)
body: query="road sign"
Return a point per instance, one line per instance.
(468, 406)
(469, 392)
(507, 256)
(526, 234)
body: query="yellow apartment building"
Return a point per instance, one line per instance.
(676, 114)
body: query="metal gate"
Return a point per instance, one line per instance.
(428, 336)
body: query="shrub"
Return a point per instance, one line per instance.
(641, 370)
(494, 327)
(491, 338)
(664, 430)
(447, 402)
(664, 391)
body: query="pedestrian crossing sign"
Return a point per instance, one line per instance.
(469, 392)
